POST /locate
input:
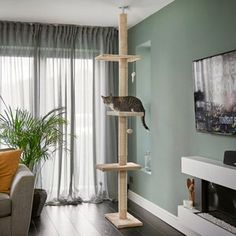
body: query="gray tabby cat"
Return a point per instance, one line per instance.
(126, 103)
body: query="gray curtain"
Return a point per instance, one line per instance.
(46, 66)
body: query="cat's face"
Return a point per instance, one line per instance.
(107, 100)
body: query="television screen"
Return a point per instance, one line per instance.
(215, 93)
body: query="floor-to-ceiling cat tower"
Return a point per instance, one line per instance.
(122, 219)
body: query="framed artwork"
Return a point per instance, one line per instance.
(215, 93)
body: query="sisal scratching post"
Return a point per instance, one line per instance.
(122, 219)
(122, 125)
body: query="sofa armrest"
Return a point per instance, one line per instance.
(21, 195)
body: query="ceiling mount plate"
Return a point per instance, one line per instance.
(124, 8)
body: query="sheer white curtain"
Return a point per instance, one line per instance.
(59, 91)
(16, 74)
(48, 66)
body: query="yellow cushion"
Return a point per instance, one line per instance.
(9, 162)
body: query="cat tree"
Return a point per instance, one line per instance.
(122, 219)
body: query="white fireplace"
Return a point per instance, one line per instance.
(211, 171)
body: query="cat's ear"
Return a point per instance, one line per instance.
(102, 97)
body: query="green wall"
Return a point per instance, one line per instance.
(181, 32)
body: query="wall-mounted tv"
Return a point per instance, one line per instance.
(215, 93)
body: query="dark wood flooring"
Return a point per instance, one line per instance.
(88, 220)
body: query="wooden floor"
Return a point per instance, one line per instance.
(88, 220)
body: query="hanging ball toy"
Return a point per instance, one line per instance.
(129, 131)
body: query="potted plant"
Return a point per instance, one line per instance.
(38, 137)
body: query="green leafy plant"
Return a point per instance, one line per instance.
(38, 137)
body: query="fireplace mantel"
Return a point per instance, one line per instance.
(210, 170)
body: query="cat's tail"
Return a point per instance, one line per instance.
(143, 121)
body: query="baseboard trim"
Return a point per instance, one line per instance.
(160, 213)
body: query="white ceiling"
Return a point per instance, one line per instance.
(80, 12)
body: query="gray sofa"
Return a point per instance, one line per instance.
(15, 209)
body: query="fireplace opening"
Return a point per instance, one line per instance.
(217, 201)
(222, 203)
